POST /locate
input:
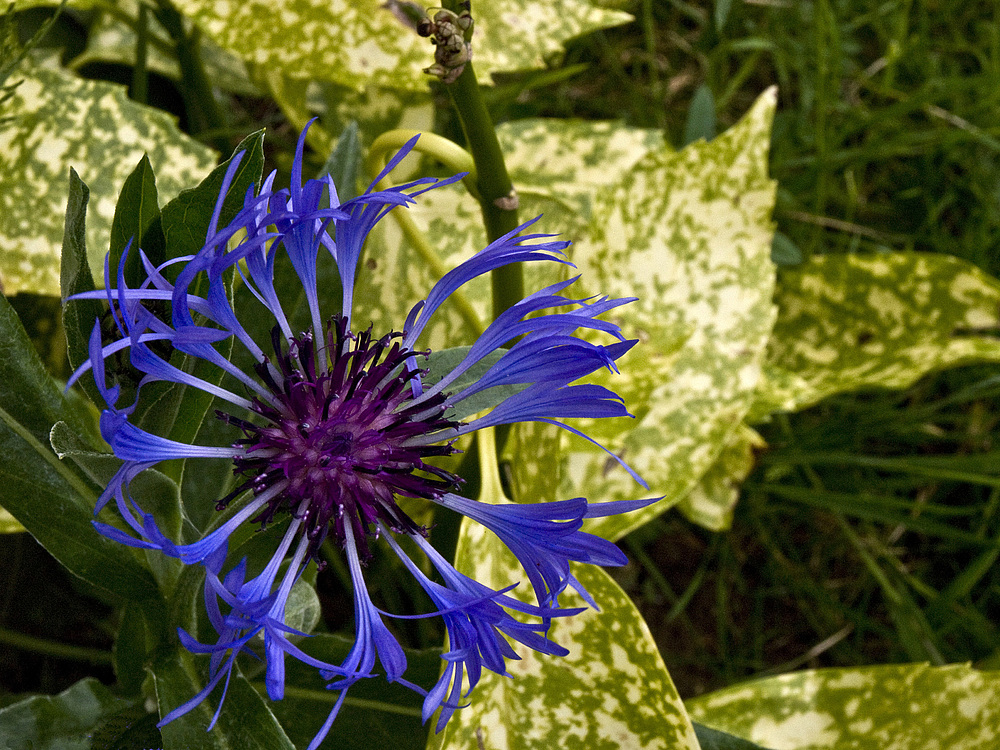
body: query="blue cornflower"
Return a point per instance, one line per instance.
(335, 423)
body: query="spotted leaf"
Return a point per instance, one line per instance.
(372, 42)
(689, 234)
(851, 321)
(59, 121)
(612, 691)
(895, 707)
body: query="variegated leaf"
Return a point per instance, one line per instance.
(711, 502)
(689, 235)
(59, 121)
(611, 692)
(370, 42)
(850, 321)
(886, 707)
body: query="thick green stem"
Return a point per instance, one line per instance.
(497, 199)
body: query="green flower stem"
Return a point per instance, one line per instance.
(497, 199)
(54, 648)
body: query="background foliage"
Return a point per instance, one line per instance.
(831, 492)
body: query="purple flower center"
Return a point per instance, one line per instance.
(333, 446)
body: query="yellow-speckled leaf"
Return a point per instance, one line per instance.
(907, 707)
(364, 42)
(689, 234)
(9, 524)
(711, 502)
(59, 121)
(611, 692)
(849, 321)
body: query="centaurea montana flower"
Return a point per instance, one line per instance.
(334, 424)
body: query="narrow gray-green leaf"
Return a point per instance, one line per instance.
(79, 316)
(136, 222)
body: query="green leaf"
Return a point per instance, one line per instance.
(375, 713)
(689, 235)
(130, 649)
(75, 277)
(701, 116)
(60, 722)
(54, 503)
(721, 13)
(847, 322)
(136, 221)
(360, 43)
(57, 121)
(245, 721)
(612, 690)
(169, 409)
(784, 252)
(895, 707)
(443, 361)
(9, 524)
(185, 219)
(713, 739)
(344, 163)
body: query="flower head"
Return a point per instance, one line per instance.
(333, 425)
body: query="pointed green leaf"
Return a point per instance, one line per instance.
(344, 163)
(59, 722)
(53, 502)
(360, 43)
(185, 219)
(75, 277)
(58, 121)
(886, 707)
(714, 739)
(700, 123)
(245, 721)
(9, 524)
(136, 221)
(851, 321)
